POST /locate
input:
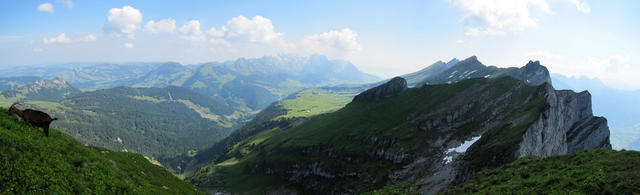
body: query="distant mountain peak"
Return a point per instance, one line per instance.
(452, 62)
(534, 73)
(393, 87)
(533, 63)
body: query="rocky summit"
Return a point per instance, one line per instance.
(392, 88)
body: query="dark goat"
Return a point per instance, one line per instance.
(33, 117)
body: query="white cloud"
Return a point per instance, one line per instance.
(191, 31)
(217, 33)
(45, 7)
(495, 17)
(168, 25)
(68, 3)
(62, 38)
(219, 42)
(127, 45)
(87, 38)
(581, 6)
(336, 44)
(257, 29)
(460, 41)
(123, 20)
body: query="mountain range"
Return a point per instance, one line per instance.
(391, 133)
(289, 124)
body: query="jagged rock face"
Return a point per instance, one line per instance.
(392, 88)
(567, 125)
(532, 74)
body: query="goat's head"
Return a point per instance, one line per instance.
(13, 109)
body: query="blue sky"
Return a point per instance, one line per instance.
(385, 38)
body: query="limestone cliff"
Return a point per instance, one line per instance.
(566, 125)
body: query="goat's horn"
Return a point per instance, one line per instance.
(14, 104)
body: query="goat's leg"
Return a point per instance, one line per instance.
(46, 130)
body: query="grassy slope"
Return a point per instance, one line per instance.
(32, 163)
(296, 108)
(339, 132)
(601, 171)
(151, 121)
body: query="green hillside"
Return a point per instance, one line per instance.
(345, 142)
(284, 113)
(155, 122)
(601, 171)
(33, 164)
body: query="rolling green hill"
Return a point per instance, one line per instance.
(33, 164)
(155, 122)
(601, 171)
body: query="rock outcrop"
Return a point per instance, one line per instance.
(392, 88)
(566, 125)
(532, 74)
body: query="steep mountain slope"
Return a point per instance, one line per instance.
(307, 103)
(601, 171)
(40, 90)
(412, 135)
(156, 122)
(622, 108)
(33, 164)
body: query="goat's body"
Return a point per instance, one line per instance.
(34, 118)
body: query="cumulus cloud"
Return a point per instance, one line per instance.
(89, 38)
(581, 6)
(257, 29)
(68, 3)
(62, 38)
(217, 33)
(494, 17)
(168, 25)
(336, 44)
(127, 45)
(45, 7)
(191, 31)
(125, 20)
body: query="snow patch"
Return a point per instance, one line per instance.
(460, 149)
(453, 74)
(463, 148)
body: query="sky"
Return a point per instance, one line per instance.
(595, 39)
